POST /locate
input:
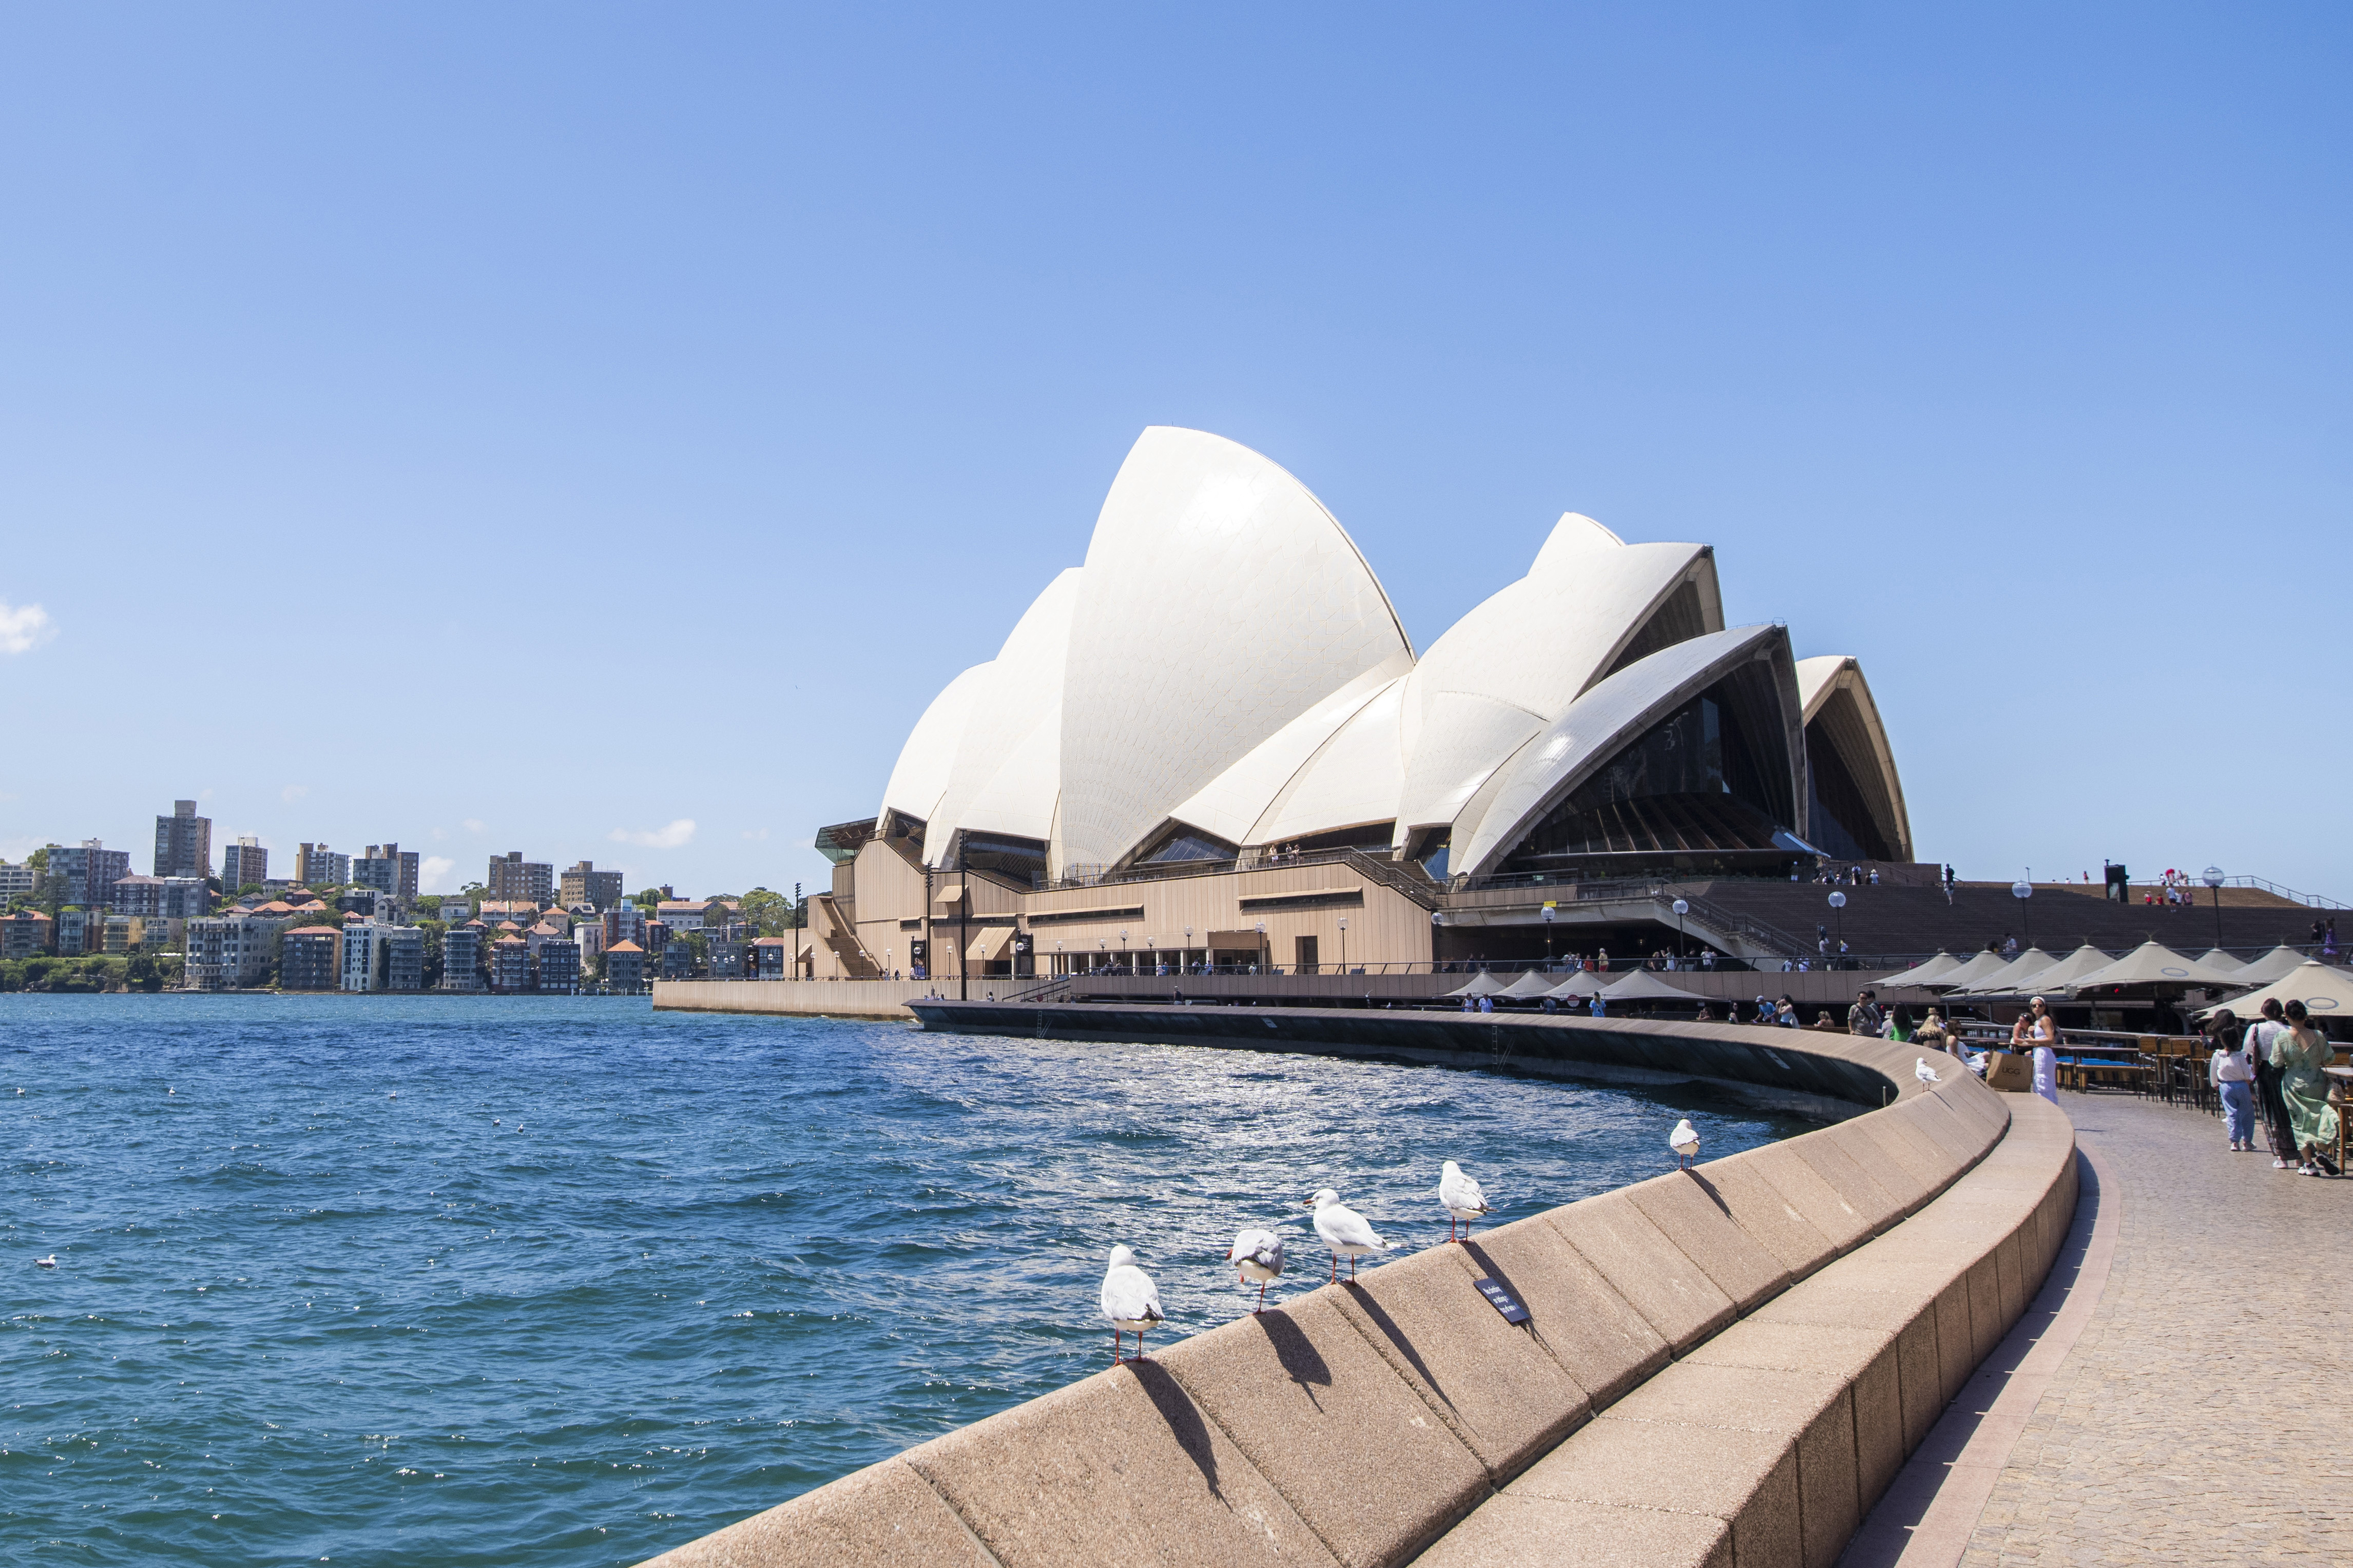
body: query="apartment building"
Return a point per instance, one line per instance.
(675, 962)
(79, 930)
(16, 881)
(525, 881)
(461, 958)
(244, 862)
(625, 922)
(624, 968)
(590, 935)
(310, 959)
(557, 967)
(90, 871)
(583, 884)
(495, 911)
(230, 953)
(184, 843)
(511, 965)
(27, 934)
(316, 866)
(774, 956)
(160, 898)
(387, 869)
(381, 956)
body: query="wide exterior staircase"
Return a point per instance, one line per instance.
(837, 928)
(2059, 918)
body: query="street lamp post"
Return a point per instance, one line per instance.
(2021, 892)
(1838, 903)
(1123, 964)
(1682, 908)
(1185, 959)
(1546, 915)
(2214, 879)
(1265, 960)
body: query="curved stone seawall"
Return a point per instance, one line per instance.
(1725, 1365)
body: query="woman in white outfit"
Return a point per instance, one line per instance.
(2044, 1036)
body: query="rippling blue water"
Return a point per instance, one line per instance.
(477, 1281)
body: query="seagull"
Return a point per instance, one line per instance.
(48, 1262)
(1257, 1254)
(1344, 1231)
(1463, 1200)
(1924, 1072)
(1684, 1141)
(1130, 1300)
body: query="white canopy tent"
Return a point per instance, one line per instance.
(2011, 977)
(1968, 974)
(1534, 982)
(2151, 964)
(1927, 973)
(2278, 964)
(2324, 989)
(2221, 962)
(1581, 984)
(1482, 984)
(1641, 985)
(2083, 961)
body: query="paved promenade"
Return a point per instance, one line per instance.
(2205, 1415)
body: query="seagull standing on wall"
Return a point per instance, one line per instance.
(1924, 1072)
(1462, 1197)
(1257, 1254)
(1344, 1231)
(1130, 1300)
(1684, 1141)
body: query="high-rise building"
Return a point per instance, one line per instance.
(510, 965)
(317, 867)
(557, 967)
(310, 959)
(512, 877)
(381, 956)
(15, 881)
(165, 897)
(184, 843)
(90, 871)
(386, 869)
(245, 861)
(78, 930)
(461, 958)
(583, 884)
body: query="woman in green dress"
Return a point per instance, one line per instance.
(2299, 1055)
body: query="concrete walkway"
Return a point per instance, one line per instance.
(2204, 1412)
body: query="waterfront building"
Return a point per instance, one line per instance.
(16, 881)
(583, 884)
(624, 968)
(310, 959)
(79, 932)
(510, 965)
(556, 966)
(773, 955)
(1213, 742)
(726, 958)
(387, 869)
(156, 933)
(462, 958)
(676, 962)
(523, 882)
(230, 953)
(28, 934)
(381, 956)
(245, 863)
(117, 940)
(168, 898)
(184, 843)
(89, 870)
(316, 866)
(590, 935)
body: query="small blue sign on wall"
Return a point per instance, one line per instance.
(1501, 1300)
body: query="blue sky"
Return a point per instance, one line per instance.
(499, 427)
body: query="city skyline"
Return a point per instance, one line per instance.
(712, 388)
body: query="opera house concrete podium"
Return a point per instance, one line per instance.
(1213, 742)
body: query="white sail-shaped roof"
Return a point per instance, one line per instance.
(1597, 726)
(1006, 769)
(1232, 805)
(1514, 663)
(1222, 602)
(921, 774)
(1353, 781)
(1831, 688)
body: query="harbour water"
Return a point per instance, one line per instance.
(467, 1281)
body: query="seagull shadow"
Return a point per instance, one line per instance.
(1387, 1325)
(1184, 1418)
(1709, 1188)
(1299, 1359)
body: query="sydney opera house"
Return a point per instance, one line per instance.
(1212, 742)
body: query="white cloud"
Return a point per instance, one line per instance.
(473, 825)
(433, 875)
(439, 833)
(293, 793)
(671, 838)
(756, 833)
(24, 627)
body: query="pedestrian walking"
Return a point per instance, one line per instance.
(2300, 1054)
(2261, 1036)
(1864, 1017)
(2233, 1073)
